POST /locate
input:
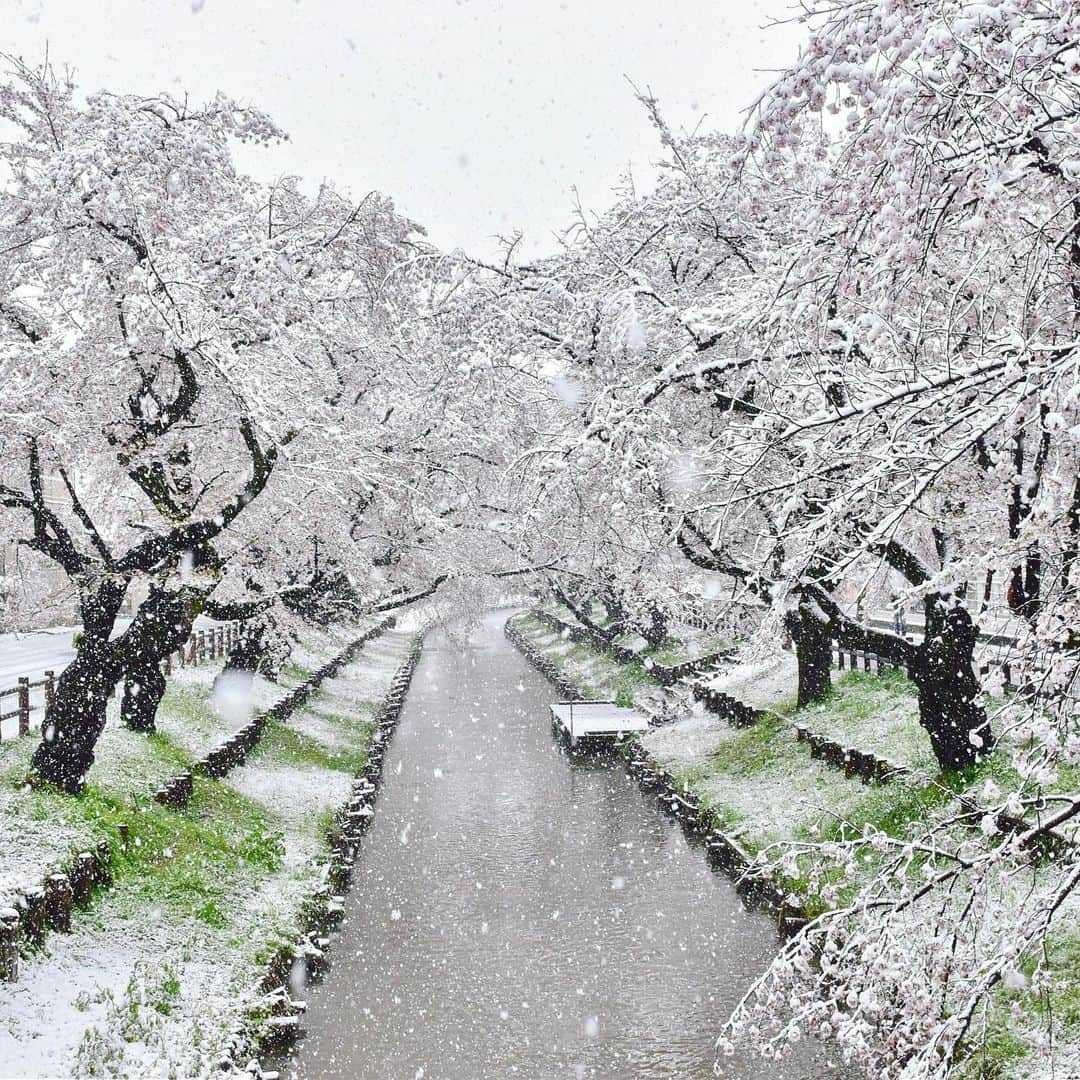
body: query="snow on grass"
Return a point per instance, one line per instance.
(759, 780)
(99, 992)
(878, 713)
(42, 831)
(290, 792)
(165, 961)
(81, 1005)
(760, 683)
(598, 674)
(34, 842)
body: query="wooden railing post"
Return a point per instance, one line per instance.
(9, 944)
(50, 689)
(58, 902)
(34, 915)
(24, 705)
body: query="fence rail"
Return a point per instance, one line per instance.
(33, 696)
(1011, 680)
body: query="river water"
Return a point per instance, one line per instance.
(519, 913)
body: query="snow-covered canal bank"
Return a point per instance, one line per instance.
(516, 912)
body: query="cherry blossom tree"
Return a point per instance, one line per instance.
(944, 252)
(170, 321)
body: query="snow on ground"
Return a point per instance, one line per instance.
(150, 980)
(689, 740)
(779, 793)
(35, 842)
(319, 645)
(761, 684)
(93, 1005)
(356, 692)
(289, 791)
(32, 845)
(878, 713)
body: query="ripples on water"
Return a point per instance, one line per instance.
(517, 912)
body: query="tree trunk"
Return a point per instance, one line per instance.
(75, 719)
(813, 650)
(144, 687)
(162, 625)
(943, 670)
(655, 633)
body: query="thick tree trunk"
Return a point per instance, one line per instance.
(942, 669)
(581, 613)
(813, 650)
(76, 717)
(144, 687)
(161, 627)
(657, 631)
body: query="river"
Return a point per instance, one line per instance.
(518, 912)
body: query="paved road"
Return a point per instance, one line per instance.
(34, 654)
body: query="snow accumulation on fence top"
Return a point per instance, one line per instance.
(164, 962)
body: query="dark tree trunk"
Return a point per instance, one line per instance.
(942, 669)
(655, 633)
(144, 687)
(161, 627)
(75, 719)
(616, 612)
(813, 650)
(581, 613)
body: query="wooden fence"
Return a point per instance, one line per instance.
(31, 697)
(24, 706)
(858, 659)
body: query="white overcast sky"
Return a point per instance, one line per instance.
(477, 117)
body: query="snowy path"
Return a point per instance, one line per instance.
(516, 912)
(49, 650)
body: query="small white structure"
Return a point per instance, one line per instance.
(595, 720)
